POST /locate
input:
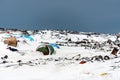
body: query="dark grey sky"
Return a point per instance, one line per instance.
(79, 15)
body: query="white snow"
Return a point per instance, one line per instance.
(60, 70)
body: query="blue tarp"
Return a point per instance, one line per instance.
(55, 45)
(28, 37)
(17, 36)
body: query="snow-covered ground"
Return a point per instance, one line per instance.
(46, 68)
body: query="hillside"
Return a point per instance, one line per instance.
(77, 55)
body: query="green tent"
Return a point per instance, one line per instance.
(51, 49)
(46, 49)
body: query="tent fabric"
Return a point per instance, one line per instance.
(51, 49)
(46, 49)
(11, 41)
(28, 37)
(18, 36)
(54, 45)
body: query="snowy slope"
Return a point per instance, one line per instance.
(46, 68)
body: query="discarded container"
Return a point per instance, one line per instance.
(103, 74)
(8, 32)
(82, 62)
